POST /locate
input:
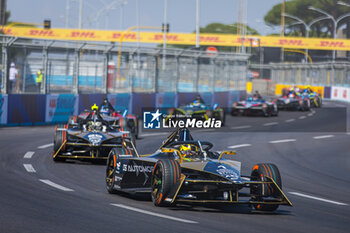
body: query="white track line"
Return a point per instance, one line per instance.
(60, 187)
(238, 146)
(317, 198)
(29, 168)
(290, 120)
(45, 146)
(271, 123)
(152, 213)
(153, 134)
(323, 136)
(302, 117)
(205, 130)
(348, 133)
(310, 114)
(242, 127)
(282, 141)
(28, 155)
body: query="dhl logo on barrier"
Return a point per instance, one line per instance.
(178, 38)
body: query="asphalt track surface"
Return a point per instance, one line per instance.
(38, 195)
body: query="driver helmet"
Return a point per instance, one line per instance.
(188, 151)
(250, 98)
(94, 107)
(196, 103)
(104, 110)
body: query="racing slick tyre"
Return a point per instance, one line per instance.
(59, 139)
(305, 106)
(259, 173)
(222, 118)
(113, 157)
(319, 102)
(165, 175)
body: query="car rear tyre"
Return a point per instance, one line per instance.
(259, 173)
(165, 175)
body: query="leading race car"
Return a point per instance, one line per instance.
(254, 106)
(199, 110)
(92, 138)
(184, 170)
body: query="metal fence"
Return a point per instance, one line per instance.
(316, 74)
(87, 67)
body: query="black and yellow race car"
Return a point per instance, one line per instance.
(185, 170)
(115, 119)
(90, 138)
(199, 110)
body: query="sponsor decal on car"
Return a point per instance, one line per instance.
(228, 173)
(138, 168)
(95, 139)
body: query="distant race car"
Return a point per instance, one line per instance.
(91, 138)
(294, 101)
(315, 99)
(185, 170)
(199, 110)
(115, 119)
(254, 106)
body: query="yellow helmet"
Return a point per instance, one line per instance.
(308, 87)
(188, 151)
(94, 107)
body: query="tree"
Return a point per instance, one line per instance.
(299, 8)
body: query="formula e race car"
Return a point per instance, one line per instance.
(294, 101)
(184, 170)
(116, 119)
(198, 110)
(92, 138)
(315, 100)
(254, 106)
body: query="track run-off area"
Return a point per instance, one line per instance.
(311, 150)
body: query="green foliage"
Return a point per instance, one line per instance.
(299, 8)
(220, 28)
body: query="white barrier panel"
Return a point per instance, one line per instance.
(3, 109)
(340, 93)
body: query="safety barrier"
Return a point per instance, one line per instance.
(43, 109)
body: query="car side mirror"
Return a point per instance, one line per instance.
(226, 153)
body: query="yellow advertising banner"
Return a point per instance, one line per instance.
(179, 38)
(279, 88)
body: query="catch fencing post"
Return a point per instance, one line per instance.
(4, 69)
(197, 75)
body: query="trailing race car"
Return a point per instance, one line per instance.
(198, 110)
(90, 138)
(315, 100)
(254, 106)
(184, 170)
(294, 101)
(115, 119)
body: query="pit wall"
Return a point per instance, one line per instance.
(40, 109)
